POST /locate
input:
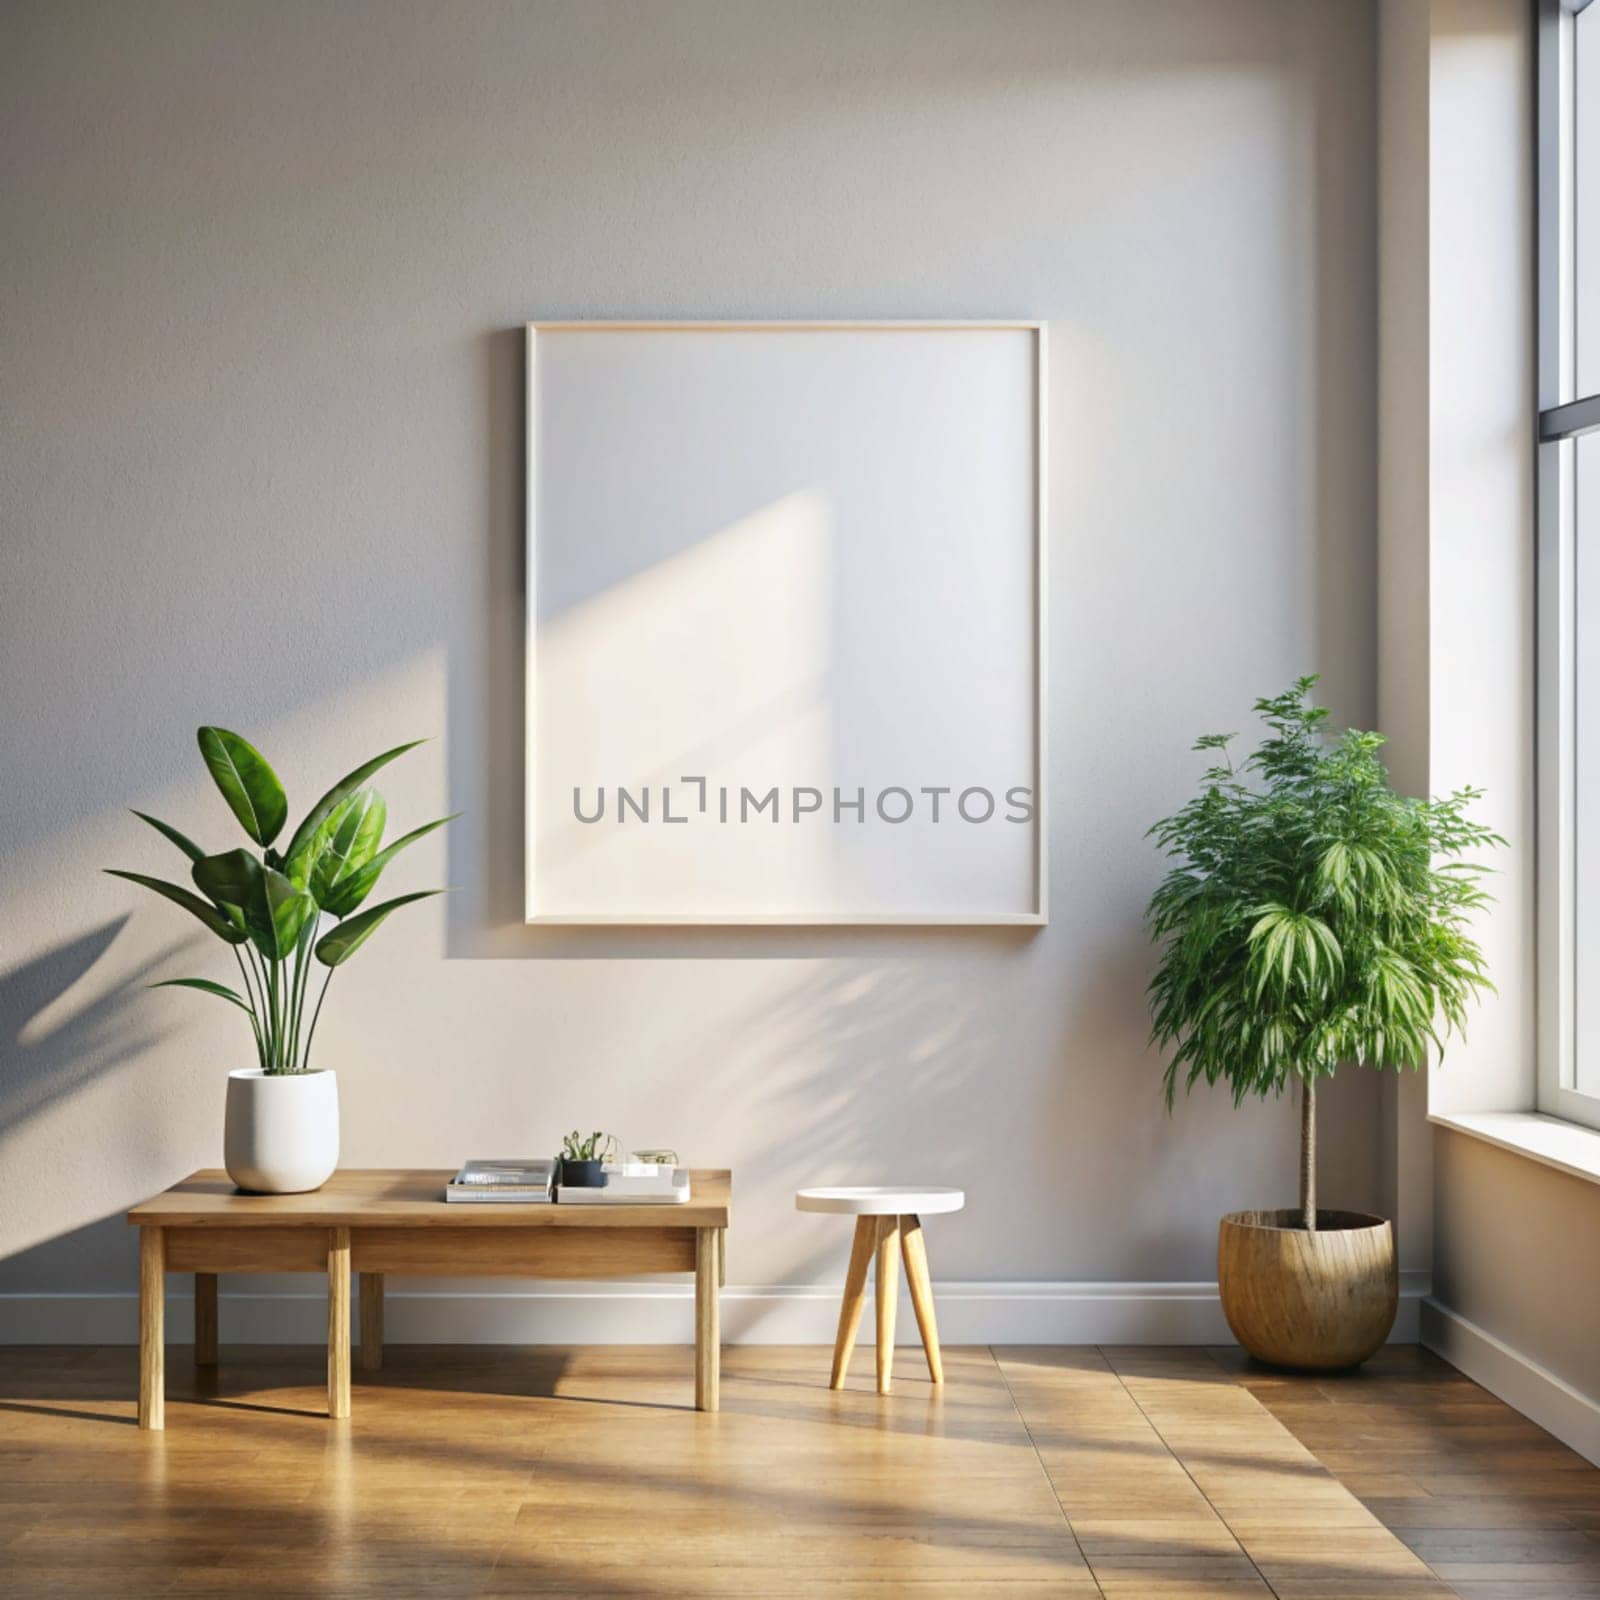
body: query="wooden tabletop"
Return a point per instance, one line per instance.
(399, 1197)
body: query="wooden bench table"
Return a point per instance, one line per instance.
(380, 1221)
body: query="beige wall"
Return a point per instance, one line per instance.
(1516, 1272)
(1403, 566)
(266, 265)
(1481, 472)
(1518, 1255)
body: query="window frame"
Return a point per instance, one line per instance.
(1562, 418)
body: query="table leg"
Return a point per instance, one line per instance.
(707, 1328)
(371, 1321)
(338, 1322)
(152, 1328)
(205, 1319)
(888, 1289)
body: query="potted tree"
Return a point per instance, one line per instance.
(1312, 916)
(281, 1132)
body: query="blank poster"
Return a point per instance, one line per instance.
(784, 623)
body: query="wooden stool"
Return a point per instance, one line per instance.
(884, 1218)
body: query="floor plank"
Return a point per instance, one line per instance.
(1490, 1502)
(1238, 1503)
(484, 1473)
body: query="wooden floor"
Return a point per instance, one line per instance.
(483, 1472)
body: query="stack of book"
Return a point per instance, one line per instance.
(519, 1183)
(631, 1183)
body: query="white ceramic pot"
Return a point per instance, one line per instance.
(281, 1133)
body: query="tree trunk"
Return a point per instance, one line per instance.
(1308, 1154)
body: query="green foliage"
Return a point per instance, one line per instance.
(232, 878)
(588, 1146)
(347, 785)
(269, 907)
(205, 986)
(247, 783)
(167, 831)
(273, 909)
(335, 948)
(346, 841)
(354, 885)
(1313, 915)
(210, 915)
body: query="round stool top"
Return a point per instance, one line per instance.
(880, 1202)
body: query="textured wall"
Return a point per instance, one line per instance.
(1515, 1289)
(259, 464)
(1516, 1257)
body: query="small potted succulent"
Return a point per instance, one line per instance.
(583, 1158)
(1312, 917)
(281, 1131)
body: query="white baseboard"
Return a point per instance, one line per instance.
(1535, 1391)
(663, 1313)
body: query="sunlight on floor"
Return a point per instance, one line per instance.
(490, 1472)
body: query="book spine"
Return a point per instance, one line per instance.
(532, 1197)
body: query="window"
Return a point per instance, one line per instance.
(1569, 559)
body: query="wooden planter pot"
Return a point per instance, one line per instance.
(1317, 1301)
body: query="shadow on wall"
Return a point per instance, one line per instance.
(903, 1071)
(865, 1061)
(45, 1061)
(42, 1063)
(883, 1072)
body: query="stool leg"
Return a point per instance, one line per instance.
(916, 1257)
(855, 1297)
(888, 1282)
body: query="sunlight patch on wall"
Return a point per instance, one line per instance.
(712, 662)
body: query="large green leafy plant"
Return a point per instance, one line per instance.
(269, 907)
(1313, 916)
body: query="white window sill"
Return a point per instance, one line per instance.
(1567, 1146)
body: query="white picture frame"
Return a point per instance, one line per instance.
(682, 600)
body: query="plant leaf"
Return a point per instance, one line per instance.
(347, 839)
(274, 910)
(342, 942)
(214, 919)
(232, 878)
(1306, 918)
(187, 845)
(355, 886)
(347, 785)
(205, 986)
(247, 783)
(279, 916)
